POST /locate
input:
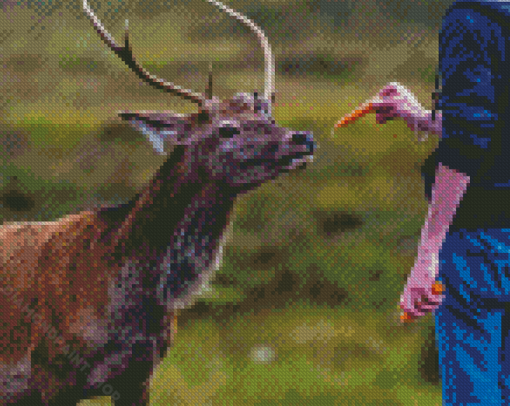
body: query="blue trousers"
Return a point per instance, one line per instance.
(473, 322)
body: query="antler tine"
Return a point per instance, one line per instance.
(125, 53)
(209, 89)
(264, 43)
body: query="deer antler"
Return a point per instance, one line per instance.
(209, 88)
(264, 43)
(125, 53)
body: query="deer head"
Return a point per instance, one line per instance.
(236, 142)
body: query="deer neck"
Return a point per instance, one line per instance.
(173, 229)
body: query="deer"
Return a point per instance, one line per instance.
(90, 301)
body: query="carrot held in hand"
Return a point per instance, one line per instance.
(363, 110)
(396, 101)
(408, 317)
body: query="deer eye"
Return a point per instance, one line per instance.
(228, 132)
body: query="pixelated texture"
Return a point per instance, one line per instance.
(472, 324)
(303, 305)
(471, 261)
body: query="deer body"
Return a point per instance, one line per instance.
(89, 301)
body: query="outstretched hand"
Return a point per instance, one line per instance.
(393, 101)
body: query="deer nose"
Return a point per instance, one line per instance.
(304, 138)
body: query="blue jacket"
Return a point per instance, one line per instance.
(475, 98)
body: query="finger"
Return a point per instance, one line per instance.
(364, 109)
(426, 300)
(421, 310)
(434, 303)
(428, 308)
(405, 305)
(420, 307)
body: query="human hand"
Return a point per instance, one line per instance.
(422, 293)
(393, 101)
(396, 101)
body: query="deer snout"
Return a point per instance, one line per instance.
(304, 138)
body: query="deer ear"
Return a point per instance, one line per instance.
(158, 128)
(155, 137)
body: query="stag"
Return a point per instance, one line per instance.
(90, 300)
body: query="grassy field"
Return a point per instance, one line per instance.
(304, 307)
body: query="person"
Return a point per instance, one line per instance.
(462, 270)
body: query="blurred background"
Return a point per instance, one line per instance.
(304, 307)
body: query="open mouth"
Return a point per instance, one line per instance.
(298, 162)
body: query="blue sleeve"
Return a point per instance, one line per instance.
(474, 98)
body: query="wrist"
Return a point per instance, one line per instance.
(427, 266)
(426, 252)
(422, 122)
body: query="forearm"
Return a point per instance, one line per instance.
(447, 193)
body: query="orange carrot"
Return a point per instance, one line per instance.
(437, 288)
(406, 317)
(364, 109)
